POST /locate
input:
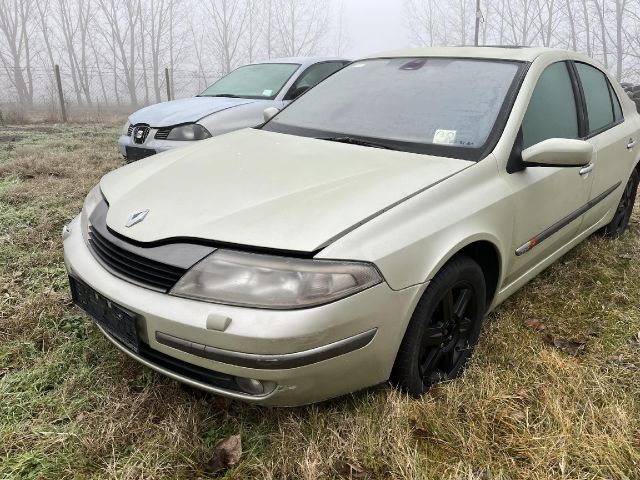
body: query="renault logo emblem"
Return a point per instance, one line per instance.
(137, 217)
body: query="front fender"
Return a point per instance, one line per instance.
(411, 242)
(243, 116)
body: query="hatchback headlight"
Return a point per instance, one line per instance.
(90, 203)
(192, 131)
(265, 281)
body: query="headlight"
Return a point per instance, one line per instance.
(90, 203)
(266, 281)
(125, 129)
(192, 131)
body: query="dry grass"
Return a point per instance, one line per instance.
(72, 406)
(47, 113)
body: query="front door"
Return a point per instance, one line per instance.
(546, 199)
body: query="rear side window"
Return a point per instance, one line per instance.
(617, 110)
(552, 111)
(600, 100)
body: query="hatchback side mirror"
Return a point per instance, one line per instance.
(558, 152)
(269, 113)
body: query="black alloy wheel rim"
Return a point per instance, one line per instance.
(623, 213)
(448, 338)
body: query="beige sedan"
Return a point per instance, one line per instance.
(362, 234)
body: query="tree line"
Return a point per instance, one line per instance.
(117, 50)
(607, 30)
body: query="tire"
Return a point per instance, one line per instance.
(620, 220)
(437, 344)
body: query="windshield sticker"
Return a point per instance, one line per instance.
(445, 137)
(267, 93)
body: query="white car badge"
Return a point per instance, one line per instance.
(137, 217)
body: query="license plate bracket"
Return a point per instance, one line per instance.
(116, 320)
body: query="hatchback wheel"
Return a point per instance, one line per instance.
(443, 329)
(623, 213)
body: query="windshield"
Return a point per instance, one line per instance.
(262, 80)
(439, 106)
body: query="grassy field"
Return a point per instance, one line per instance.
(72, 406)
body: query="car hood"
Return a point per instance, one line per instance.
(265, 189)
(175, 112)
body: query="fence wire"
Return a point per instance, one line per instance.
(95, 86)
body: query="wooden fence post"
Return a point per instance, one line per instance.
(60, 94)
(166, 77)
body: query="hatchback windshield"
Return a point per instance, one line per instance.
(263, 80)
(440, 106)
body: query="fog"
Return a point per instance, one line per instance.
(138, 52)
(375, 26)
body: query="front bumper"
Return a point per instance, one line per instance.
(158, 146)
(253, 335)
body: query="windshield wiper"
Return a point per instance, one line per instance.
(358, 141)
(223, 95)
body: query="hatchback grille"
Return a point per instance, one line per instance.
(129, 130)
(140, 133)
(129, 265)
(162, 133)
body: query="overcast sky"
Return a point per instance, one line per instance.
(375, 25)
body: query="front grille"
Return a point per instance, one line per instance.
(140, 133)
(129, 130)
(162, 133)
(136, 153)
(140, 270)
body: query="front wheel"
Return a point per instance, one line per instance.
(443, 329)
(620, 220)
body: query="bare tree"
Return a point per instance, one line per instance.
(123, 20)
(16, 29)
(603, 31)
(342, 36)
(74, 18)
(302, 26)
(229, 19)
(157, 25)
(422, 21)
(255, 23)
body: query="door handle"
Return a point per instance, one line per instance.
(587, 169)
(631, 144)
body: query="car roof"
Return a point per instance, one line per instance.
(526, 54)
(304, 61)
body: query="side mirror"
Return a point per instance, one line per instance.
(558, 152)
(269, 113)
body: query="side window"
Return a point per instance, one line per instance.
(552, 111)
(617, 110)
(598, 97)
(312, 76)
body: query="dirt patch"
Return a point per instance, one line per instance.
(10, 138)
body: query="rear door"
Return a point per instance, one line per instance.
(614, 141)
(545, 198)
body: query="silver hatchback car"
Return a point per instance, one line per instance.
(235, 101)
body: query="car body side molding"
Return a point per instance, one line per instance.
(269, 362)
(542, 236)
